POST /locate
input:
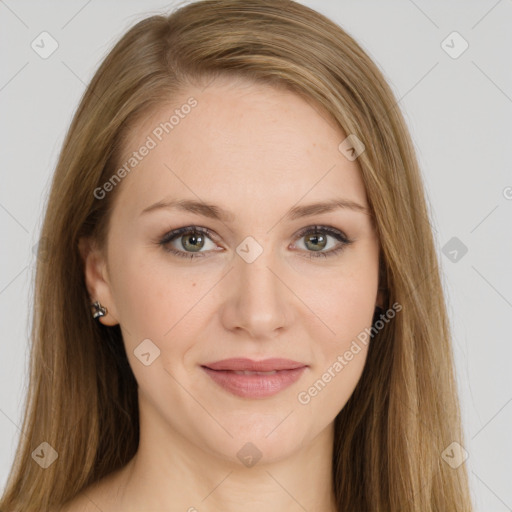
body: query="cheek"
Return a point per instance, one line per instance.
(157, 302)
(352, 307)
(346, 306)
(348, 313)
(329, 389)
(151, 297)
(339, 357)
(345, 299)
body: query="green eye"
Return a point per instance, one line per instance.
(317, 239)
(193, 239)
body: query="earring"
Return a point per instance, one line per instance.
(99, 310)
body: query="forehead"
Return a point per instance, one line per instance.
(243, 145)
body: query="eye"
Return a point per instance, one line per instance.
(188, 241)
(316, 239)
(190, 238)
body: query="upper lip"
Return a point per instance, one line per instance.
(244, 364)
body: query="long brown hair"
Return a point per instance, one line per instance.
(82, 398)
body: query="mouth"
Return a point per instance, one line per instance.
(254, 379)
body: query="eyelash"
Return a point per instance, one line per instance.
(172, 235)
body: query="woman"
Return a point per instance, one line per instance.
(223, 161)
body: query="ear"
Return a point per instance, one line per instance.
(97, 279)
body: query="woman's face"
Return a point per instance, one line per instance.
(258, 285)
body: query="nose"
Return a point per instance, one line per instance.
(258, 301)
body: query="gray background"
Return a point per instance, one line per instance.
(459, 113)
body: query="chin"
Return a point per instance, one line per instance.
(264, 439)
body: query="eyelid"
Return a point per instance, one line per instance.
(175, 233)
(343, 241)
(336, 233)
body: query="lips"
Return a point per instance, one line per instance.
(254, 379)
(248, 365)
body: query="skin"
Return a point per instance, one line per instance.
(256, 151)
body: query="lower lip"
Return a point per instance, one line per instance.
(255, 386)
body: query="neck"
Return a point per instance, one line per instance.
(171, 473)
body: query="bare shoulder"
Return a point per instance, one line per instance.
(101, 495)
(80, 503)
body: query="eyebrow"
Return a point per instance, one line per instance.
(216, 212)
